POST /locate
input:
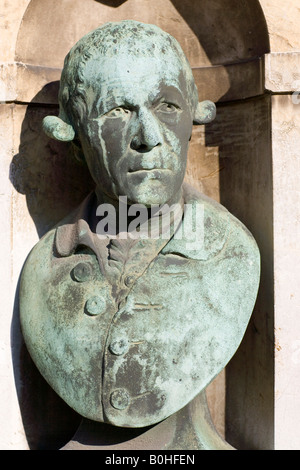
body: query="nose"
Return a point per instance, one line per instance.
(147, 134)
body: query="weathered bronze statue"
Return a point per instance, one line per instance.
(130, 329)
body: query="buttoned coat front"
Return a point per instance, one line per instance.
(128, 334)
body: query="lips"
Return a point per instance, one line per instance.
(147, 170)
(137, 166)
(155, 173)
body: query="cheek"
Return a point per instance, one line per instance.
(177, 141)
(178, 134)
(104, 135)
(91, 137)
(184, 128)
(94, 149)
(113, 134)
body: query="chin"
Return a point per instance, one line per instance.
(151, 197)
(153, 191)
(148, 202)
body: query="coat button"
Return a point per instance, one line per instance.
(122, 304)
(95, 305)
(82, 272)
(119, 346)
(129, 280)
(120, 399)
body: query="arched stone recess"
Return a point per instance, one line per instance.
(228, 38)
(229, 160)
(225, 43)
(282, 20)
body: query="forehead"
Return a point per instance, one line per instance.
(130, 76)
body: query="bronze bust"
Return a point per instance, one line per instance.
(129, 329)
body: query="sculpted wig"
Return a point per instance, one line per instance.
(124, 38)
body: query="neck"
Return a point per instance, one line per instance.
(120, 217)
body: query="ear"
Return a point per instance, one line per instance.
(206, 112)
(58, 129)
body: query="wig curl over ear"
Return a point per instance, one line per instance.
(58, 128)
(205, 112)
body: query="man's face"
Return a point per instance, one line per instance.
(135, 137)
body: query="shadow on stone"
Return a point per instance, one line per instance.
(46, 172)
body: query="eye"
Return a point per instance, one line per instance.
(118, 112)
(167, 108)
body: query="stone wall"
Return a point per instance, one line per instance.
(247, 54)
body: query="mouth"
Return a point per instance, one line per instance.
(146, 174)
(148, 170)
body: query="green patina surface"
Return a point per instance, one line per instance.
(126, 331)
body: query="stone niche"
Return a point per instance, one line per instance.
(229, 160)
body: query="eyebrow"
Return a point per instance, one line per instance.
(104, 104)
(111, 102)
(173, 90)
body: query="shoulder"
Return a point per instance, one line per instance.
(37, 264)
(60, 240)
(209, 230)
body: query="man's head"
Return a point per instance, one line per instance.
(128, 95)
